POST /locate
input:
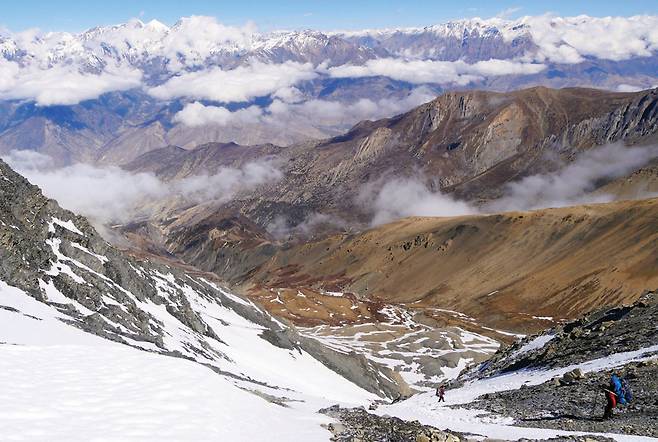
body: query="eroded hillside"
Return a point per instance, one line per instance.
(514, 270)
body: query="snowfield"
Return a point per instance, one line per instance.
(409, 347)
(60, 383)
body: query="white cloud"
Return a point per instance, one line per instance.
(315, 112)
(224, 184)
(289, 95)
(106, 194)
(429, 71)
(280, 227)
(111, 194)
(633, 88)
(240, 84)
(573, 183)
(200, 37)
(403, 197)
(335, 113)
(570, 39)
(63, 85)
(8, 74)
(197, 114)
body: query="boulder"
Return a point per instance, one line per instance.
(572, 376)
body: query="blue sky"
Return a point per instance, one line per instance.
(76, 15)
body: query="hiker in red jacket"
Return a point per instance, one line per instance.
(611, 398)
(612, 393)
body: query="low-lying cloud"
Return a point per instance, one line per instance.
(430, 71)
(281, 228)
(62, 85)
(243, 83)
(410, 196)
(573, 184)
(111, 195)
(197, 114)
(290, 108)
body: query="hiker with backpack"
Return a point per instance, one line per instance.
(617, 392)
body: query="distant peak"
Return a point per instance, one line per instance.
(157, 25)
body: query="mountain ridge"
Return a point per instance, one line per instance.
(58, 259)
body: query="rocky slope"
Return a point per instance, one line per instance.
(468, 144)
(544, 387)
(58, 259)
(575, 401)
(358, 424)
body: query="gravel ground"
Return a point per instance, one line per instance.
(356, 424)
(578, 406)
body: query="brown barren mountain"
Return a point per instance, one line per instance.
(465, 143)
(501, 269)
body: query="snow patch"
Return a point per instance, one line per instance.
(536, 344)
(101, 258)
(68, 225)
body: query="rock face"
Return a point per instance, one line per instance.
(579, 405)
(465, 143)
(600, 333)
(48, 251)
(59, 259)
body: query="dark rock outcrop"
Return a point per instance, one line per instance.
(356, 424)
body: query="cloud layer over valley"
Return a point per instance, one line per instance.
(573, 184)
(113, 195)
(288, 107)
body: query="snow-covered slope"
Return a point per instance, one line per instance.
(424, 355)
(63, 289)
(60, 383)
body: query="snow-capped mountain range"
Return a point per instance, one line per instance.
(160, 84)
(195, 43)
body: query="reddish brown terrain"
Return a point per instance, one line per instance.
(506, 270)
